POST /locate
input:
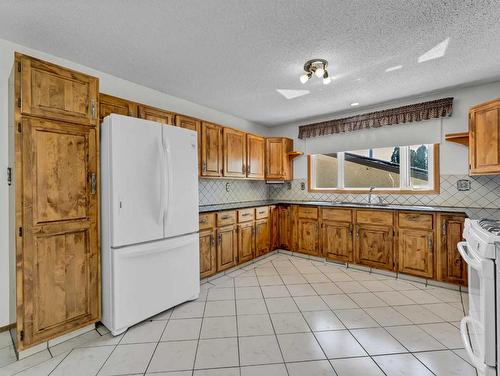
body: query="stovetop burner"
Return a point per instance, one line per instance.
(490, 225)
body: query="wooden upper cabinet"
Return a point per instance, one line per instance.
(114, 105)
(156, 114)
(235, 153)
(450, 265)
(211, 150)
(256, 150)
(416, 252)
(484, 138)
(53, 92)
(194, 125)
(374, 246)
(278, 163)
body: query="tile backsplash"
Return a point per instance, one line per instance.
(222, 191)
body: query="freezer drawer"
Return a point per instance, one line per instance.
(148, 279)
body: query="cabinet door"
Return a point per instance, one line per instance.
(227, 247)
(58, 266)
(53, 92)
(275, 161)
(211, 149)
(308, 236)
(337, 241)
(284, 227)
(274, 227)
(156, 114)
(255, 156)
(416, 252)
(450, 265)
(262, 237)
(194, 125)
(246, 242)
(234, 153)
(374, 246)
(485, 139)
(113, 105)
(208, 264)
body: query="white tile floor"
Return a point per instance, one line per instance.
(282, 315)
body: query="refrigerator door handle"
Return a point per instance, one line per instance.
(168, 182)
(162, 181)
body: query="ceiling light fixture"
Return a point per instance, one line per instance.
(318, 68)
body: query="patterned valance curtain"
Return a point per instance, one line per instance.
(415, 112)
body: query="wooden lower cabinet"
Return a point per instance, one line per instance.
(246, 242)
(285, 227)
(274, 227)
(262, 237)
(336, 241)
(308, 236)
(208, 253)
(374, 246)
(227, 247)
(416, 252)
(450, 266)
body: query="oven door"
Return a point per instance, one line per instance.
(478, 328)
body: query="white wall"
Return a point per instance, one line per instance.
(109, 85)
(453, 157)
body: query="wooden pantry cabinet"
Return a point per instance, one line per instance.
(56, 221)
(484, 138)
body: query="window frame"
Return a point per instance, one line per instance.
(405, 183)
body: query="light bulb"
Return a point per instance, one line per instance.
(319, 72)
(326, 78)
(304, 78)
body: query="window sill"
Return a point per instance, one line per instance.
(376, 191)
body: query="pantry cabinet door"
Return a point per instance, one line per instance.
(246, 242)
(208, 256)
(416, 252)
(374, 246)
(235, 153)
(255, 156)
(336, 239)
(53, 92)
(211, 150)
(227, 247)
(58, 267)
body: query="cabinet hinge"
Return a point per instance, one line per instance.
(19, 128)
(9, 175)
(19, 66)
(19, 102)
(21, 335)
(20, 231)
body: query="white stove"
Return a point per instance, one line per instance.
(480, 328)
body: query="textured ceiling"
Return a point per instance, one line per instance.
(232, 55)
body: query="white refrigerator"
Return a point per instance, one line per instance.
(149, 214)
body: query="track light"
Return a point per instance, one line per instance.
(318, 68)
(305, 77)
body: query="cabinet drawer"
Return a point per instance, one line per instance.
(207, 221)
(226, 218)
(245, 215)
(416, 220)
(339, 215)
(375, 217)
(308, 212)
(262, 212)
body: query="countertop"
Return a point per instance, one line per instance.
(250, 204)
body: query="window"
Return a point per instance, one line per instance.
(397, 168)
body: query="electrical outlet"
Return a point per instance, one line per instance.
(228, 186)
(302, 186)
(463, 185)
(289, 185)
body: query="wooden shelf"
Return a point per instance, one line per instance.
(460, 138)
(294, 154)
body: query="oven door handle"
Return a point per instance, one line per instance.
(477, 361)
(471, 261)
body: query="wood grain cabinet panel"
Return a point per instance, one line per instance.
(194, 125)
(274, 227)
(285, 227)
(262, 237)
(227, 247)
(256, 150)
(308, 236)
(278, 164)
(211, 150)
(234, 153)
(337, 241)
(450, 265)
(374, 246)
(246, 242)
(416, 252)
(113, 105)
(208, 253)
(484, 138)
(52, 92)
(156, 114)
(58, 266)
